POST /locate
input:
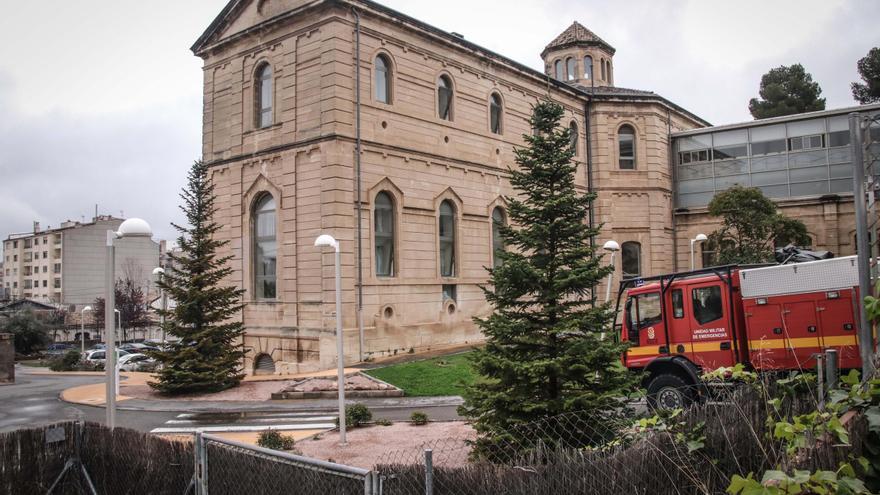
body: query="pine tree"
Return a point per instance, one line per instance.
(869, 70)
(207, 357)
(545, 352)
(786, 90)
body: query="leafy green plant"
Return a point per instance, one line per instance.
(810, 427)
(737, 372)
(67, 362)
(773, 482)
(272, 439)
(383, 422)
(418, 418)
(356, 415)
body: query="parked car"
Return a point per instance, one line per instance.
(97, 347)
(98, 358)
(137, 362)
(137, 347)
(58, 349)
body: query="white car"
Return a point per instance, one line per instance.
(100, 356)
(136, 362)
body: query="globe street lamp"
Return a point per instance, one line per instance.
(133, 227)
(325, 240)
(698, 238)
(159, 273)
(612, 247)
(82, 329)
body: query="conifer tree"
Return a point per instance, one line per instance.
(545, 352)
(207, 357)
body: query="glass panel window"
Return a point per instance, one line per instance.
(626, 144)
(444, 98)
(570, 67)
(649, 309)
(557, 67)
(602, 68)
(498, 221)
(677, 304)
(806, 142)
(588, 67)
(450, 291)
(384, 232)
(707, 304)
(631, 259)
(383, 80)
(495, 114)
(726, 152)
(265, 248)
(447, 239)
(573, 137)
(264, 96)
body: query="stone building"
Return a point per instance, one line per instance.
(413, 191)
(65, 265)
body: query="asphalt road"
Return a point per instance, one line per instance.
(35, 400)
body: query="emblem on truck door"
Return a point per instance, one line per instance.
(650, 333)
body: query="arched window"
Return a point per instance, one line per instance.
(558, 69)
(264, 365)
(447, 239)
(573, 126)
(499, 219)
(588, 67)
(265, 247)
(631, 259)
(602, 67)
(495, 113)
(444, 97)
(383, 229)
(610, 79)
(383, 79)
(569, 66)
(626, 146)
(263, 96)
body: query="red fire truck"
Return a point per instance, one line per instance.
(769, 318)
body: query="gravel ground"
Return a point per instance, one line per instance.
(398, 443)
(246, 391)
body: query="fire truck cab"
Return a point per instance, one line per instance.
(768, 318)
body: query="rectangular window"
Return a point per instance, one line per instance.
(649, 309)
(57, 283)
(728, 152)
(46, 283)
(707, 304)
(45, 254)
(450, 291)
(685, 157)
(57, 268)
(27, 243)
(768, 147)
(806, 142)
(677, 304)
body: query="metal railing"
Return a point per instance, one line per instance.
(225, 466)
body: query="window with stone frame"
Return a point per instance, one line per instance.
(263, 96)
(265, 248)
(383, 232)
(446, 231)
(626, 147)
(499, 219)
(382, 80)
(631, 259)
(445, 95)
(496, 113)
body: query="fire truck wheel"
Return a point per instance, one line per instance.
(668, 392)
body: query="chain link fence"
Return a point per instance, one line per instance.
(694, 452)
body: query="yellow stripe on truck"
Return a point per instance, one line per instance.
(835, 341)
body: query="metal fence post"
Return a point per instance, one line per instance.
(429, 472)
(820, 380)
(201, 464)
(831, 371)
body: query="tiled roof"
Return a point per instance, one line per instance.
(577, 33)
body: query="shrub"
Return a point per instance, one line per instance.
(272, 439)
(418, 418)
(356, 415)
(68, 362)
(383, 422)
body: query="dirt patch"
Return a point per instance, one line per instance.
(357, 381)
(255, 391)
(398, 443)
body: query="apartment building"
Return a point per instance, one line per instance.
(65, 265)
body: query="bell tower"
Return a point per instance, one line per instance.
(578, 56)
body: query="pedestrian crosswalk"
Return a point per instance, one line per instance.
(247, 422)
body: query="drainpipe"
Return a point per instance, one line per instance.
(589, 150)
(671, 154)
(357, 120)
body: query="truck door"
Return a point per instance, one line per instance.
(768, 347)
(645, 329)
(838, 327)
(802, 332)
(711, 335)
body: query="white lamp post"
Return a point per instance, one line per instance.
(698, 238)
(82, 329)
(328, 241)
(133, 227)
(160, 272)
(612, 247)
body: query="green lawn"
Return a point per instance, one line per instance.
(446, 375)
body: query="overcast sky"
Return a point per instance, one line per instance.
(100, 101)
